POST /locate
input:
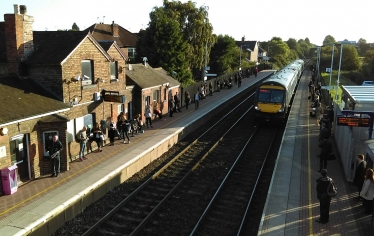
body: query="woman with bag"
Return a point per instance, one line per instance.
(98, 134)
(367, 191)
(148, 116)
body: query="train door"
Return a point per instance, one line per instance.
(20, 156)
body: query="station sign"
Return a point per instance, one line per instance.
(114, 98)
(353, 121)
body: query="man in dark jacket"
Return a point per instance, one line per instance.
(54, 153)
(323, 197)
(360, 174)
(326, 149)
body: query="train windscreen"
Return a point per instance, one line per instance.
(270, 96)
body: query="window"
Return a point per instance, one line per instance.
(87, 72)
(155, 95)
(270, 96)
(121, 108)
(131, 52)
(113, 70)
(47, 140)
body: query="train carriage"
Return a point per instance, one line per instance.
(274, 95)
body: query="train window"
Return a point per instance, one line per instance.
(271, 96)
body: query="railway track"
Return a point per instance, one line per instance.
(132, 215)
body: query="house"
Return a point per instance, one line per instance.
(113, 32)
(54, 82)
(152, 85)
(250, 49)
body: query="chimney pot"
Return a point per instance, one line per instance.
(22, 9)
(15, 6)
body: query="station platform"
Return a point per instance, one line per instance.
(43, 205)
(291, 204)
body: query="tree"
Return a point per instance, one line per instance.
(164, 46)
(75, 27)
(363, 47)
(368, 64)
(194, 29)
(279, 51)
(350, 60)
(329, 40)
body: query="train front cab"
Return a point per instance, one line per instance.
(270, 105)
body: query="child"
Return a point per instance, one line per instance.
(111, 133)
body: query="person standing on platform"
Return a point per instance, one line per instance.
(326, 149)
(323, 197)
(256, 71)
(97, 135)
(82, 137)
(171, 107)
(187, 98)
(55, 152)
(148, 116)
(177, 102)
(210, 88)
(360, 174)
(240, 81)
(197, 100)
(367, 191)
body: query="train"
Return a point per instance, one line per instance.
(274, 95)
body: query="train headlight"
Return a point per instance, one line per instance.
(257, 108)
(281, 110)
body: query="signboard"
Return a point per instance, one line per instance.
(114, 98)
(353, 121)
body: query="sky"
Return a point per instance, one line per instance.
(261, 20)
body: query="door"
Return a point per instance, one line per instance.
(19, 156)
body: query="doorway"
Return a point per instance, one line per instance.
(19, 156)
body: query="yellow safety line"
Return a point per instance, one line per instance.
(76, 173)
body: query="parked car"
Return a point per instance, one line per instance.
(368, 83)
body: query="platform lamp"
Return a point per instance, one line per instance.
(340, 64)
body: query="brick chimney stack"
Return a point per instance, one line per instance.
(18, 37)
(114, 29)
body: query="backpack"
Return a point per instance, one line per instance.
(77, 137)
(332, 190)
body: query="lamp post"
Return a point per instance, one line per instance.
(203, 74)
(340, 64)
(332, 64)
(240, 64)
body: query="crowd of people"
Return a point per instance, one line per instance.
(364, 177)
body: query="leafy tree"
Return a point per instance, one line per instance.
(223, 55)
(328, 40)
(368, 64)
(194, 29)
(363, 47)
(307, 41)
(279, 51)
(164, 46)
(350, 60)
(75, 27)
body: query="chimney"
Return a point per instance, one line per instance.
(114, 29)
(18, 37)
(243, 39)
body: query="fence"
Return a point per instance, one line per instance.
(219, 80)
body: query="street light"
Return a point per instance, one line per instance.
(340, 64)
(206, 62)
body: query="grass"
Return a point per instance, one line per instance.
(334, 78)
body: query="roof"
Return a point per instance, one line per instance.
(360, 94)
(146, 76)
(172, 82)
(23, 99)
(247, 44)
(52, 47)
(108, 44)
(103, 32)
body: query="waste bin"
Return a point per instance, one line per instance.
(9, 179)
